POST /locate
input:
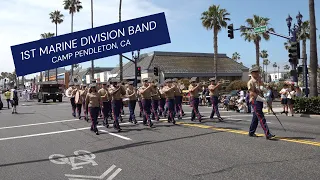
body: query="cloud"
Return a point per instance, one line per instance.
(24, 20)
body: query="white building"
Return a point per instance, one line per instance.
(275, 77)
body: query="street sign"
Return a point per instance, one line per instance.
(260, 29)
(90, 44)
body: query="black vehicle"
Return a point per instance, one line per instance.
(49, 90)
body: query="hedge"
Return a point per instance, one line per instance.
(307, 105)
(236, 85)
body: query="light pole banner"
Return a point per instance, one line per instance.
(90, 44)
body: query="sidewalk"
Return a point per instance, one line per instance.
(278, 110)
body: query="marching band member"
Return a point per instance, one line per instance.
(83, 94)
(214, 93)
(78, 99)
(116, 91)
(139, 100)
(93, 101)
(169, 93)
(131, 94)
(162, 101)
(106, 108)
(155, 98)
(69, 93)
(194, 98)
(257, 100)
(177, 98)
(145, 92)
(123, 84)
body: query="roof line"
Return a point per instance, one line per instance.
(186, 54)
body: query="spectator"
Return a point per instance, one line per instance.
(7, 95)
(290, 97)
(270, 97)
(284, 92)
(14, 100)
(298, 92)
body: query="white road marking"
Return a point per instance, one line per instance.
(113, 175)
(42, 134)
(117, 135)
(236, 119)
(59, 132)
(36, 124)
(84, 156)
(93, 177)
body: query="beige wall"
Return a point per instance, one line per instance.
(245, 76)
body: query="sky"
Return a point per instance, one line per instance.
(23, 21)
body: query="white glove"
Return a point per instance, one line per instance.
(260, 99)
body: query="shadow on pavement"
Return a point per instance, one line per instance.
(143, 143)
(25, 113)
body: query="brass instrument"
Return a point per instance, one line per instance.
(182, 87)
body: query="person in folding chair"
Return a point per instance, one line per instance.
(257, 100)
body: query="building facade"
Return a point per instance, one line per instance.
(183, 65)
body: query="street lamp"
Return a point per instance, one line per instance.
(136, 57)
(299, 19)
(289, 20)
(294, 40)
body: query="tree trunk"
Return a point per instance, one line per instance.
(57, 68)
(313, 51)
(215, 48)
(304, 57)
(120, 55)
(267, 73)
(256, 42)
(71, 32)
(92, 61)
(263, 70)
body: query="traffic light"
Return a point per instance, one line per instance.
(156, 71)
(300, 69)
(230, 31)
(293, 53)
(298, 50)
(138, 71)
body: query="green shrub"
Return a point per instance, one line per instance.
(307, 105)
(236, 85)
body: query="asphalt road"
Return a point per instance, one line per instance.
(45, 142)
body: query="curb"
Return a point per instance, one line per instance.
(313, 116)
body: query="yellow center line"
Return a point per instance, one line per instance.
(313, 143)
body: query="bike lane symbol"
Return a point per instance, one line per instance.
(80, 158)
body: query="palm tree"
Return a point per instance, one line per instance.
(263, 54)
(45, 36)
(120, 55)
(266, 63)
(313, 51)
(250, 35)
(235, 56)
(215, 19)
(275, 66)
(56, 18)
(73, 6)
(286, 67)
